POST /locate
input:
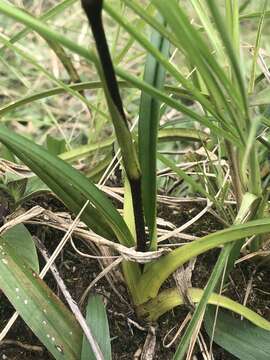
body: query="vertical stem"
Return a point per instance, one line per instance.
(93, 10)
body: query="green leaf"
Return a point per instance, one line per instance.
(7, 154)
(17, 188)
(34, 187)
(52, 12)
(42, 311)
(170, 298)
(85, 150)
(21, 240)
(48, 33)
(55, 146)
(97, 320)
(150, 282)
(178, 134)
(239, 337)
(261, 98)
(149, 116)
(72, 187)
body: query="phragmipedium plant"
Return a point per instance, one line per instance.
(218, 85)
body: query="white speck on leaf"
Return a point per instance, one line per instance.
(5, 261)
(26, 301)
(59, 348)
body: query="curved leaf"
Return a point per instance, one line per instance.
(150, 283)
(72, 187)
(170, 298)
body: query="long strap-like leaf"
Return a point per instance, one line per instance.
(72, 187)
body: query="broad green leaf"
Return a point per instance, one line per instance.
(21, 240)
(42, 311)
(150, 283)
(97, 320)
(239, 337)
(149, 116)
(170, 298)
(72, 187)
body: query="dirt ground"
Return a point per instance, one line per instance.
(128, 333)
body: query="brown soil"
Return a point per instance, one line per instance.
(127, 338)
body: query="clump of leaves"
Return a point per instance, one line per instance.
(223, 96)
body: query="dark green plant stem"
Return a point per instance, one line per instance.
(93, 10)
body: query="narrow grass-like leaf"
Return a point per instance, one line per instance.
(47, 32)
(86, 150)
(256, 51)
(226, 259)
(52, 92)
(176, 134)
(149, 116)
(182, 174)
(157, 54)
(35, 63)
(231, 48)
(151, 20)
(254, 15)
(42, 311)
(200, 7)
(51, 13)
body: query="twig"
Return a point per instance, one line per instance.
(22, 345)
(72, 304)
(35, 211)
(100, 276)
